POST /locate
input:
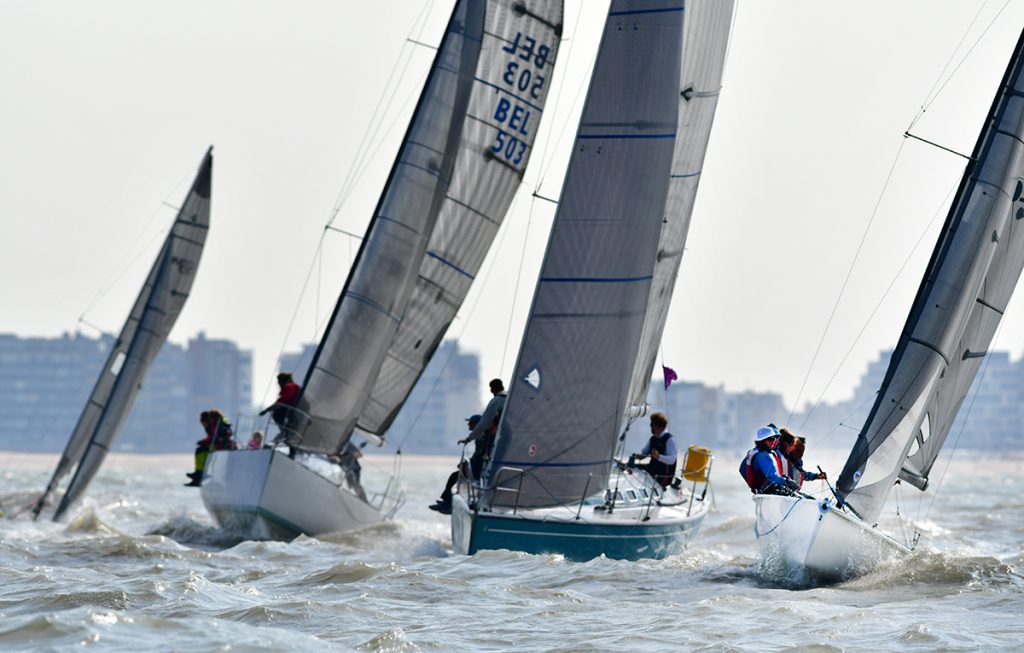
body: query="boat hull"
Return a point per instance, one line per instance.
(622, 535)
(806, 540)
(265, 495)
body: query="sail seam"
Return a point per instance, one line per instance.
(474, 210)
(596, 279)
(449, 264)
(432, 173)
(928, 345)
(622, 136)
(634, 12)
(510, 94)
(523, 463)
(372, 304)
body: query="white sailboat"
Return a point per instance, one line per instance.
(154, 313)
(455, 175)
(966, 287)
(585, 363)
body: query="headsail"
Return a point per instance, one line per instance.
(705, 38)
(517, 60)
(155, 311)
(571, 380)
(459, 165)
(966, 287)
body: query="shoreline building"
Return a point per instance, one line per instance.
(47, 380)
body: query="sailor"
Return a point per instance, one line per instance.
(348, 460)
(444, 504)
(662, 450)
(202, 451)
(485, 430)
(286, 398)
(791, 453)
(218, 436)
(762, 466)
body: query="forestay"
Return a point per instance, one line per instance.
(517, 59)
(967, 285)
(457, 168)
(705, 38)
(155, 311)
(572, 377)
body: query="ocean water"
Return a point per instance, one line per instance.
(140, 566)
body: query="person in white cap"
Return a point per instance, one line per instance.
(762, 466)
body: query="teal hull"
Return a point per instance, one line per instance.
(575, 539)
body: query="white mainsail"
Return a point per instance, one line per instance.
(585, 328)
(155, 311)
(966, 287)
(458, 167)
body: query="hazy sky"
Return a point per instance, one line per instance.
(106, 108)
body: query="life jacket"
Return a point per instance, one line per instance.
(753, 476)
(662, 472)
(785, 464)
(794, 470)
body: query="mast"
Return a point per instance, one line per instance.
(151, 319)
(966, 287)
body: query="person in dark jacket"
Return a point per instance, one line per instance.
(444, 504)
(485, 430)
(662, 451)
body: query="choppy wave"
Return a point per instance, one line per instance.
(140, 566)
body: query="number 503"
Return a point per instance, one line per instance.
(510, 147)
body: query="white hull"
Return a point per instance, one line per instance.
(808, 540)
(263, 494)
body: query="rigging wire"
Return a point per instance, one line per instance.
(515, 291)
(391, 88)
(358, 167)
(558, 97)
(881, 300)
(933, 95)
(502, 232)
(846, 281)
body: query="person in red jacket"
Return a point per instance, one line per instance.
(286, 398)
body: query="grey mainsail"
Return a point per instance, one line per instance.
(571, 379)
(705, 38)
(966, 287)
(155, 311)
(456, 172)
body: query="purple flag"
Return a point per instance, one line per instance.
(670, 375)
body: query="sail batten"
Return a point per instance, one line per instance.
(154, 313)
(571, 383)
(968, 283)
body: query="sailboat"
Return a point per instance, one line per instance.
(457, 170)
(965, 290)
(151, 319)
(554, 484)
